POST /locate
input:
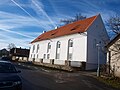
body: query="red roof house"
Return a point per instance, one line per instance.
(75, 43)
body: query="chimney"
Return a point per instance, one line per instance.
(44, 31)
(56, 27)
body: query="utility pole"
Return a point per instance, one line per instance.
(98, 68)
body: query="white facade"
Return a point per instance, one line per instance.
(77, 48)
(96, 35)
(79, 41)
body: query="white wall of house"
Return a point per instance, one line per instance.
(78, 50)
(96, 34)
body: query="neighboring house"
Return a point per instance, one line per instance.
(19, 54)
(74, 43)
(4, 53)
(113, 56)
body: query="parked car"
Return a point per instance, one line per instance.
(9, 78)
(5, 58)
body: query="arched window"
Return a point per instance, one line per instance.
(37, 48)
(58, 44)
(49, 47)
(70, 43)
(58, 50)
(70, 49)
(33, 48)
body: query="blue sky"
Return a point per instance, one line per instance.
(21, 21)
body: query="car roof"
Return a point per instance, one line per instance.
(2, 61)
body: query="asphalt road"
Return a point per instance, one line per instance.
(37, 78)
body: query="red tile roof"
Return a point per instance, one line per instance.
(72, 28)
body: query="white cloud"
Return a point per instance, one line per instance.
(37, 7)
(6, 39)
(9, 21)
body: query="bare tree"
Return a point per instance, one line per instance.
(114, 24)
(77, 17)
(11, 45)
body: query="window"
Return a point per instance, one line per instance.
(57, 56)
(70, 49)
(44, 56)
(31, 55)
(58, 50)
(70, 43)
(34, 56)
(37, 48)
(37, 55)
(33, 48)
(48, 56)
(7, 68)
(49, 47)
(58, 44)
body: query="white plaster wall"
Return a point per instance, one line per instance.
(64, 48)
(80, 48)
(96, 32)
(59, 62)
(46, 60)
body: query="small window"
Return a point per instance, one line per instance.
(48, 56)
(70, 43)
(34, 56)
(31, 55)
(44, 56)
(58, 44)
(57, 50)
(33, 48)
(37, 48)
(49, 47)
(37, 55)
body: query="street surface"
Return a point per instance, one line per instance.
(37, 78)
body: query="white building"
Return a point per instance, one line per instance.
(75, 42)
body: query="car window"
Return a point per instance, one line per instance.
(7, 68)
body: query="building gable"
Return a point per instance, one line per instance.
(113, 41)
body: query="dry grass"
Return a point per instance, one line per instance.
(111, 81)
